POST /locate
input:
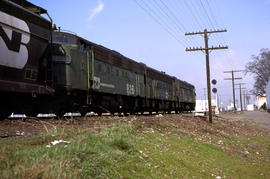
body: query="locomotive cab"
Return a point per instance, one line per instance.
(70, 62)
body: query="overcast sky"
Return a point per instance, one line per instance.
(152, 32)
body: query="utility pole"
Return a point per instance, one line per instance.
(244, 95)
(204, 92)
(206, 50)
(240, 92)
(219, 101)
(232, 72)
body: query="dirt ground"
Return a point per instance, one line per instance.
(224, 124)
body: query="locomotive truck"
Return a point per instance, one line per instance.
(43, 70)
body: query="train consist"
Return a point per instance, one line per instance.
(45, 70)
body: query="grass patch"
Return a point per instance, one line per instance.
(87, 154)
(178, 157)
(122, 151)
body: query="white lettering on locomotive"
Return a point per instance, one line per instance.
(107, 85)
(14, 35)
(130, 89)
(96, 83)
(166, 95)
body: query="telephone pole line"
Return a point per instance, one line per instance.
(240, 92)
(204, 92)
(244, 95)
(206, 50)
(233, 78)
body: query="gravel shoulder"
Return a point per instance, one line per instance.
(261, 117)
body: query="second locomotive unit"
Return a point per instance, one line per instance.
(92, 75)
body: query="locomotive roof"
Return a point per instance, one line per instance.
(112, 56)
(18, 9)
(28, 5)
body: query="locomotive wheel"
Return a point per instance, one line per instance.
(31, 114)
(3, 115)
(83, 112)
(99, 113)
(60, 113)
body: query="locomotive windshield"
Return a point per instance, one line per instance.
(59, 53)
(58, 50)
(64, 39)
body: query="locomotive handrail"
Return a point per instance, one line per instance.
(20, 30)
(64, 30)
(5, 24)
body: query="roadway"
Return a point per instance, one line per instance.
(262, 118)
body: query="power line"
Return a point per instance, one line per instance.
(182, 11)
(208, 17)
(170, 16)
(177, 19)
(192, 13)
(220, 19)
(199, 15)
(160, 23)
(165, 14)
(214, 19)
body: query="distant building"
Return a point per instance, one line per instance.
(231, 107)
(261, 100)
(268, 95)
(250, 107)
(202, 106)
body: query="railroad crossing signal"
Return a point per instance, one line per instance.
(214, 81)
(214, 90)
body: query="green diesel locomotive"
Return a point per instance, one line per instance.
(95, 78)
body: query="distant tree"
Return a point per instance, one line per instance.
(260, 68)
